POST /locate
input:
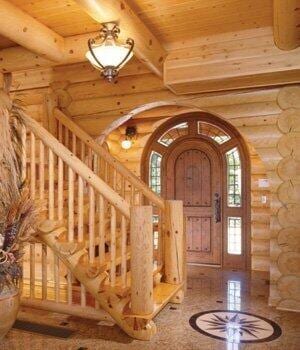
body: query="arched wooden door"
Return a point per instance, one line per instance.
(201, 160)
(193, 175)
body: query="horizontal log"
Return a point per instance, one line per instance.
(26, 31)
(239, 63)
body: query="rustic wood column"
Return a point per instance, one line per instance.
(174, 243)
(141, 240)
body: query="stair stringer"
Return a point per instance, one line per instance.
(116, 305)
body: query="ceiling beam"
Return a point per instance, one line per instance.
(26, 31)
(286, 24)
(147, 48)
(229, 65)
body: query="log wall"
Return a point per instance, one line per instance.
(260, 115)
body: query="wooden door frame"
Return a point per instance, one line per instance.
(236, 140)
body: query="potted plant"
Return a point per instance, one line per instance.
(18, 213)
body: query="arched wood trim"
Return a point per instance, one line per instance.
(236, 140)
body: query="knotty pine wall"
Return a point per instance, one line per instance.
(95, 105)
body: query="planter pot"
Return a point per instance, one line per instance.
(9, 307)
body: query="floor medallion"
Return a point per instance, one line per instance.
(235, 326)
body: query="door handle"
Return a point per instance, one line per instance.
(217, 207)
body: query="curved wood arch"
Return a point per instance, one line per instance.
(235, 141)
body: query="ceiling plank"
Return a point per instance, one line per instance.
(287, 24)
(147, 48)
(26, 31)
(236, 64)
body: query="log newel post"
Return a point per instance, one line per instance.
(141, 240)
(174, 243)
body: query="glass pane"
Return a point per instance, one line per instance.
(212, 131)
(234, 178)
(234, 235)
(155, 172)
(174, 133)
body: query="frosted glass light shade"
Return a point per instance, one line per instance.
(109, 54)
(126, 144)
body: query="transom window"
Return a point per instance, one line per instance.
(213, 132)
(173, 133)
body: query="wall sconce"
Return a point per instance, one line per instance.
(107, 54)
(130, 133)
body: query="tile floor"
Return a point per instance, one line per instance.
(208, 289)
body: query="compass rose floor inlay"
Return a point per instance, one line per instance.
(235, 326)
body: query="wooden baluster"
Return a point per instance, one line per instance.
(32, 165)
(32, 270)
(91, 224)
(74, 147)
(51, 185)
(42, 171)
(132, 195)
(60, 190)
(82, 151)
(160, 239)
(44, 272)
(124, 251)
(113, 246)
(42, 196)
(60, 132)
(101, 214)
(56, 278)
(80, 209)
(24, 153)
(67, 140)
(90, 158)
(80, 232)
(70, 224)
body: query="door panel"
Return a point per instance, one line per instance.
(194, 176)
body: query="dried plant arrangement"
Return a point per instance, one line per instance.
(18, 212)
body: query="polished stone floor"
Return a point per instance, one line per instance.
(208, 289)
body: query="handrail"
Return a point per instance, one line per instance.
(88, 140)
(77, 165)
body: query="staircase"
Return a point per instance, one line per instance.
(108, 247)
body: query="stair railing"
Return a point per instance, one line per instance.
(113, 172)
(95, 216)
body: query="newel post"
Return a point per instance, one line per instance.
(141, 241)
(174, 245)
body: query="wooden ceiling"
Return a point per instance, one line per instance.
(171, 21)
(175, 20)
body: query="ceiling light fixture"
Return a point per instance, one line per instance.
(107, 54)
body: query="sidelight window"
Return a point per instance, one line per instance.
(234, 178)
(155, 172)
(234, 235)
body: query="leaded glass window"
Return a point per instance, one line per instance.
(213, 132)
(234, 235)
(234, 178)
(174, 133)
(155, 172)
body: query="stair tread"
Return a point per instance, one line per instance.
(162, 294)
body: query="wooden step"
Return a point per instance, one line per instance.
(162, 294)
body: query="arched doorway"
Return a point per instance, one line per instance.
(201, 160)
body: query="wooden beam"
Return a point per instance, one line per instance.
(235, 64)
(26, 31)
(286, 24)
(147, 48)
